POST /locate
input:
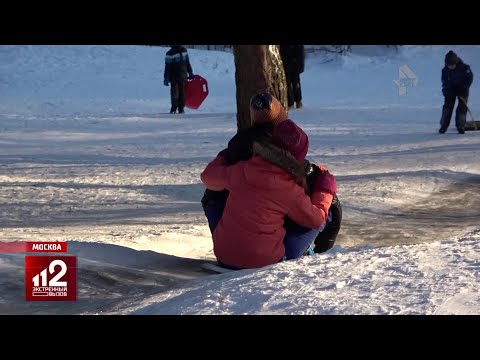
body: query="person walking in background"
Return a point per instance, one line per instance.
(293, 58)
(456, 80)
(177, 70)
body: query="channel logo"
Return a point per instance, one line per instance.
(51, 278)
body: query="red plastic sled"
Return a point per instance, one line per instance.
(196, 91)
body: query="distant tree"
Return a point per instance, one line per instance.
(342, 49)
(257, 68)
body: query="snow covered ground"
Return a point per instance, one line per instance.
(90, 155)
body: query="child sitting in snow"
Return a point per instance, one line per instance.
(287, 135)
(266, 111)
(251, 232)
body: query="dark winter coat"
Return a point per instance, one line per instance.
(293, 58)
(177, 64)
(457, 81)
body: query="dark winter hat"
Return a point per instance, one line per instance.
(265, 108)
(451, 58)
(289, 136)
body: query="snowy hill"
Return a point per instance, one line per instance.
(89, 155)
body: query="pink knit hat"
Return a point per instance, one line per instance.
(289, 136)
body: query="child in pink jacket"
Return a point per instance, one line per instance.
(250, 233)
(299, 238)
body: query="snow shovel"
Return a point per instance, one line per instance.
(473, 124)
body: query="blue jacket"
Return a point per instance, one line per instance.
(177, 64)
(458, 80)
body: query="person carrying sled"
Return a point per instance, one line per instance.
(457, 77)
(251, 232)
(177, 70)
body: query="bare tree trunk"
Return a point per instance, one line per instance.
(257, 68)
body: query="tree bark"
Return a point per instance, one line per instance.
(257, 68)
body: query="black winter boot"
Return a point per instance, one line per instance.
(326, 239)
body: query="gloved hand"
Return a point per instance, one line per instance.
(325, 182)
(166, 82)
(191, 76)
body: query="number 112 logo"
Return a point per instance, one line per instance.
(51, 278)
